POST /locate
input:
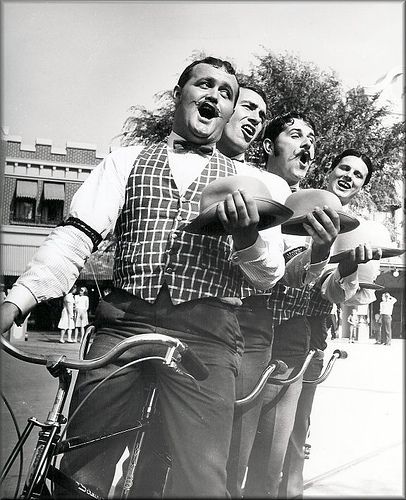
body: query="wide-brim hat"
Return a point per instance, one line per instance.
(305, 201)
(271, 212)
(371, 286)
(369, 231)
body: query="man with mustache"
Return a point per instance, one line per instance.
(289, 145)
(296, 313)
(166, 280)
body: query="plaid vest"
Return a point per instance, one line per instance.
(152, 247)
(318, 306)
(286, 302)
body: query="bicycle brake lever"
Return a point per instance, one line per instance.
(53, 365)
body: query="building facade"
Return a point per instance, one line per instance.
(39, 182)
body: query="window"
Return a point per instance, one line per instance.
(24, 210)
(52, 203)
(25, 201)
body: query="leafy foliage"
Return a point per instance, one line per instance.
(343, 119)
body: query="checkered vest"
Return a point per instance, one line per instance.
(152, 247)
(318, 306)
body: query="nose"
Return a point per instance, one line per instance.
(307, 143)
(254, 119)
(212, 95)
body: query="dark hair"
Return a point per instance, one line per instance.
(213, 61)
(355, 152)
(280, 122)
(255, 89)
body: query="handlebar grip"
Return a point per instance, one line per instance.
(341, 354)
(281, 367)
(318, 354)
(193, 365)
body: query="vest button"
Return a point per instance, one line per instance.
(169, 270)
(178, 217)
(182, 199)
(174, 235)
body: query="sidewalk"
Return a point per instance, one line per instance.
(356, 434)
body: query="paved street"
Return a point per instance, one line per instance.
(356, 438)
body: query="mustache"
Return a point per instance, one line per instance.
(207, 102)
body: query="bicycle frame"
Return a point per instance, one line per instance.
(49, 442)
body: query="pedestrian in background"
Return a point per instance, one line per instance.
(377, 328)
(385, 310)
(81, 316)
(353, 320)
(67, 320)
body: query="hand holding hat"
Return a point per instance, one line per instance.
(234, 201)
(305, 201)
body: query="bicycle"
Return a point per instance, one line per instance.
(50, 443)
(42, 473)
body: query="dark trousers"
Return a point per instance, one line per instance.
(386, 329)
(277, 414)
(256, 328)
(292, 475)
(197, 421)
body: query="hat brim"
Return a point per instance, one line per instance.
(295, 224)
(271, 214)
(371, 286)
(386, 253)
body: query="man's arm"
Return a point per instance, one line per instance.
(342, 284)
(305, 268)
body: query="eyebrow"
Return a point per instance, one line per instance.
(298, 129)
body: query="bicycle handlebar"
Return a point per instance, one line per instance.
(313, 353)
(275, 366)
(148, 344)
(337, 354)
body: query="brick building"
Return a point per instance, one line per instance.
(39, 183)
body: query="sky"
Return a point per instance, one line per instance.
(71, 70)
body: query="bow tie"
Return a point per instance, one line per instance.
(184, 147)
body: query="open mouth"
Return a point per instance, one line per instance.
(208, 110)
(305, 158)
(343, 184)
(248, 130)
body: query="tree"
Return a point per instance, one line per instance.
(343, 119)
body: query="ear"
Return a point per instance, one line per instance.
(177, 91)
(268, 146)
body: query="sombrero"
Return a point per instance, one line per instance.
(305, 201)
(271, 212)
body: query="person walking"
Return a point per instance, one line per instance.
(353, 321)
(67, 320)
(81, 316)
(377, 328)
(385, 310)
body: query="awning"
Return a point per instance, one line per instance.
(54, 191)
(26, 189)
(14, 260)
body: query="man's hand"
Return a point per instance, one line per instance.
(8, 313)
(359, 255)
(239, 215)
(323, 225)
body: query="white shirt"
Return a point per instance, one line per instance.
(386, 306)
(57, 263)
